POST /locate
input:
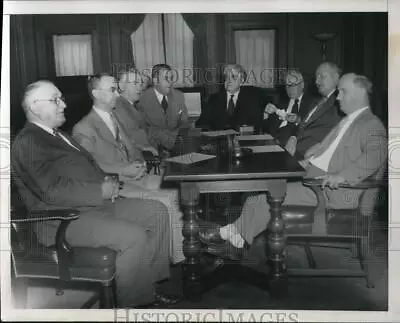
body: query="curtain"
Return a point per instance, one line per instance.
(147, 43)
(179, 49)
(73, 55)
(255, 51)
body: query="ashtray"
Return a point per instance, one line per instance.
(239, 153)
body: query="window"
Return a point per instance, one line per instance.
(255, 51)
(73, 55)
(165, 38)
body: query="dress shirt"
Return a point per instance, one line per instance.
(160, 96)
(315, 108)
(289, 109)
(51, 131)
(106, 117)
(322, 161)
(235, 97)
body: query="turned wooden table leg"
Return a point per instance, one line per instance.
(276, 239)
(191, 244)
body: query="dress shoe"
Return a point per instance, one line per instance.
(161, 300)
(209, 233)
(226, 251)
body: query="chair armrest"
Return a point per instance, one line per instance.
(365, 184)
(20, 215)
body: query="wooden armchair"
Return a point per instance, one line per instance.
(334, 228)
(59, 265)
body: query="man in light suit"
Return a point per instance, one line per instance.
(163, 108)
(131, 85)
(354, 150)
(323, 115)
(296, 103)
(235, 105)
(53, 171)
(104, 136)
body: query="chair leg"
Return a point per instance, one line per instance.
(108, 297)
(363, 254)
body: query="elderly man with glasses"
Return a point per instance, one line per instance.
(52, 170)
(296, 103)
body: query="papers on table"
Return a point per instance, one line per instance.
(219, 133)
(265, 149)
(188, 159)
(255, 137)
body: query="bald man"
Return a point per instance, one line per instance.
(324, 113)
(296, 102)
(354, 150)
(52, 170)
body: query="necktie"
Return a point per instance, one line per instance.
(57, 134)
(315, 109)
(164, 104)
(231, 106)
(295, 107)
(118, 136)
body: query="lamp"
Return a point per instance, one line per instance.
(323, 38)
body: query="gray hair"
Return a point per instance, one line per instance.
(238, 68)
(363, 82)
(30, 90)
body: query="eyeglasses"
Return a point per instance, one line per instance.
(293, 84)
(56, 100)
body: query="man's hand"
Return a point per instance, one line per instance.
(292, 118)
(270, 108)
(332, 181)
(304, 163)
(291, 145)
(135, 170)
(110, 189)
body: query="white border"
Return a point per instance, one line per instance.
(91, 6)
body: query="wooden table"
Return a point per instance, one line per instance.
(261, 172)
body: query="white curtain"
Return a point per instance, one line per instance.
(255, 51)
(147, 43)
(73, 55)
(148, 50)
(179, 49)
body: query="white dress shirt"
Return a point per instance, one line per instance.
(235, 97)
(289, 109)
(160, 96)
(106, 117)
(51, 131)
(323, 160)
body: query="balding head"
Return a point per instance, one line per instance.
(43, 103)
(131, 84)
(354, 92)
(327, 77)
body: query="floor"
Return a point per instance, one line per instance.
(304, 293)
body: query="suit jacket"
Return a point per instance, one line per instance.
(132, 120)
(360, 154)
(319, 125)
(163, 128)
(51, 173)
(94, 135)
(271, 125)
(248, 110)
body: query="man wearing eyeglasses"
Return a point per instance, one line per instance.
(52, 170)
(297, 103)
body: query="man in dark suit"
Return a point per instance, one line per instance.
(297, 103)
(163, 109)
(235, 105)
(323, 115)
(54, 171)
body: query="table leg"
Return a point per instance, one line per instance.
(191, 244)
(276, 239)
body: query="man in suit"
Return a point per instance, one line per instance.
(234, 106)
(54, 171)
(114, 152)
(102, 134)
(296, 103)
(163, 108)
(354, 150)
(324, 114)
(131, 85)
